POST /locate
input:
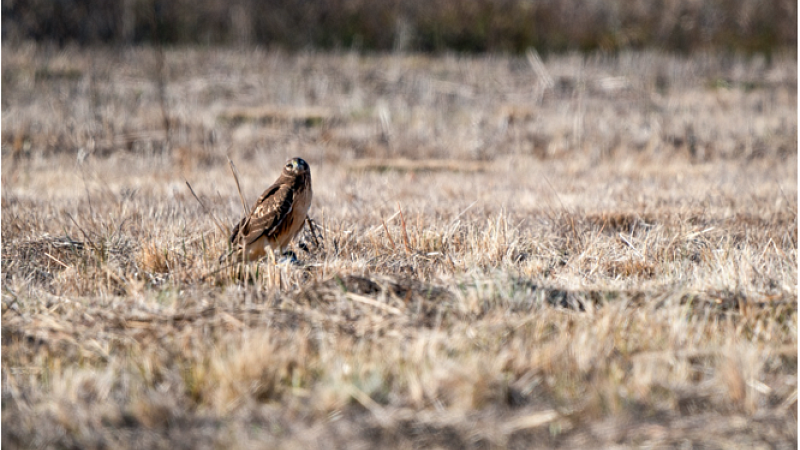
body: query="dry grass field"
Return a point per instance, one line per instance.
(586, 252)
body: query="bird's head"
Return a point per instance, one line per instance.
(295, 166)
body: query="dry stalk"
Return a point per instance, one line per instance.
(235, 174)
(224, 229)
(405, 232)
(388, 235)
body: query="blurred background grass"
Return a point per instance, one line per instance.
(683, 26)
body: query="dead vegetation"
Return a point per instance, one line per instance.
(415, 25)
(497, 262)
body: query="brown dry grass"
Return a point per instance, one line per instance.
(618, 270)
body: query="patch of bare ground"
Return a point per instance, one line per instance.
(608, 259)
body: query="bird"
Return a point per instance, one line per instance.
(276, 217)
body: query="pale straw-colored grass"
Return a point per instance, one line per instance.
(616, 267)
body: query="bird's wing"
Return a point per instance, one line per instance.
(269, 211)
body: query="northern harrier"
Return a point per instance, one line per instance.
(277, 216)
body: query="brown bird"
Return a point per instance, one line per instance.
(276, 217)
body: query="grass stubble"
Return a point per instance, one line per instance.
(600, 252)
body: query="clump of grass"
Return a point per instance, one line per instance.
(154, 259)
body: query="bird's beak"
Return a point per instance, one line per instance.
(294, 164)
